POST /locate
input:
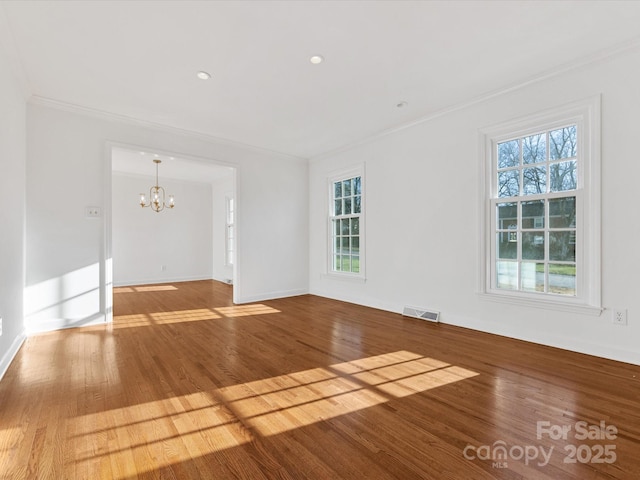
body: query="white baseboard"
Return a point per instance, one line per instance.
(270, 296)
(227, 280)
(556, 341)
(610, 352)
(8, 357)
(356, 300)
(158, 281)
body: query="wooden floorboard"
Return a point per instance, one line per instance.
(186, 385)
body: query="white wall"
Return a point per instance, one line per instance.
(144, 241)
(67, 170)
(12, 212)
(222, 189)
(422, 215)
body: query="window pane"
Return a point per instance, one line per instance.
(346, 250)
(337, 189)
(508, 154)
(344, 226)
(562, 246)
(534, 180)
(507, 245)
(562, 279)
(336, 263)
(336, 227)
(355, 264)
(346, 263)
(507, 275)
(357, 204)
(347, 206)
(355, 245)
(563, 176)
(563, 143)
(532, 277)
(357, 186)
(355, 226)
(336, 245)
(533, 214)
(533, 245)
(229, 211)
(562, 212)
(346, 188)
(534, 148)
(338, 207)
(509, 183)
(507, 216)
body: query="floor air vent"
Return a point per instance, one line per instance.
(421, 313)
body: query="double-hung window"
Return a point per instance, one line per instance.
(542, 213)
(346, 224)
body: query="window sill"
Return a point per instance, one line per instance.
(544, 303)
(345, 277)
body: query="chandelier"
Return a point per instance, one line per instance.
(156, 195)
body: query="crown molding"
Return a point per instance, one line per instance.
(37, 100)
(595, 58)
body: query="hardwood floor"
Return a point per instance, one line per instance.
(185, 385)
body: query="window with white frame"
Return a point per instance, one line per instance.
(346, 221)
(542, 214)
(230, 232)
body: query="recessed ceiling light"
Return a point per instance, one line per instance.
(316, 59)
(402, 104)
(202, 75)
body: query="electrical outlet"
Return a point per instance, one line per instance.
(619, 316)
(92, 212)
(163, 268)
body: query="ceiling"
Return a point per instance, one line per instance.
(140, 58)
(124, 160)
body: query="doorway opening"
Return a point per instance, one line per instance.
(194, 240)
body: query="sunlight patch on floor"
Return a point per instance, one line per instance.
(164, 318)
(307, 397)
(146, 288)
(245, 310)
(180, 428)
(195, 315)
